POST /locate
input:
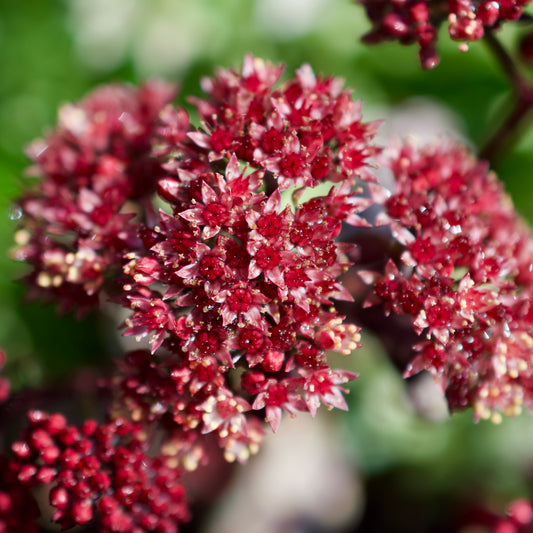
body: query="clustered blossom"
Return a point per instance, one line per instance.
(465, 277)
(188, 401)
(239, 280)
(418, 21)
(98, 469)
(18, 508)
(305, 131)
(97, 176)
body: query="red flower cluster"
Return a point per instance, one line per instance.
(248, 277)
(410, 21)
(187, 401)
(517, 519)
(101, 468)
(97, 178)
(234, 283)
(18, 509)
(303, 133)
(465, 277)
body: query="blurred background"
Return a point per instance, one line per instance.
(396, 461)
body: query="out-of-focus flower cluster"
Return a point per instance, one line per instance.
(517, 519)
(465, 278)
(418, 21)
(100, 467)
(97, 177)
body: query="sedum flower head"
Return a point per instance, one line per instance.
(240, 275)
(97, 470)
(464, 278)
(302, 132)
(418, 21)
(248, 285)
(96, 178)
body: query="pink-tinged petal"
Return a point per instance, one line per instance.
(273, 202)
(209, 232)
(224, 356)
(233, 170)
(157, 340)
(88, 200)
(208, 194)
(228, 316)
(172, 292)
(194, 215)
(378, 193)
(358, 222)
(254, 270)
(306, 76)
(368, 276)
(402, 234)
(253, 315)
(273, 417)
(275, 276)
(189, 271)
(421, 321)
(168, 189)
(200, 139)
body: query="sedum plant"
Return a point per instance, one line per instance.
(228, 240)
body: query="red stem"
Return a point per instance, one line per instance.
(523, 89)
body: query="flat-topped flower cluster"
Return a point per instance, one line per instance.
(465, 277)
(418, 21)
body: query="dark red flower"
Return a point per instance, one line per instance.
(410, 21)
(464, 277)
(96, 177)
(248, 273)
(97, 471)
(304, 132)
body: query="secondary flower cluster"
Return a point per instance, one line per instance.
(410, 21)
(101, 467)
(97, 177)
(465, 278)
(302, 133)
(517, 519)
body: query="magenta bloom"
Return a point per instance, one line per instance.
(464, 277)
(303, 132)
(418, 21)
(233, 283)
(239, 273)
(96, 179)
(248, 284)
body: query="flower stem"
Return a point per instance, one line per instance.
(508, 130)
